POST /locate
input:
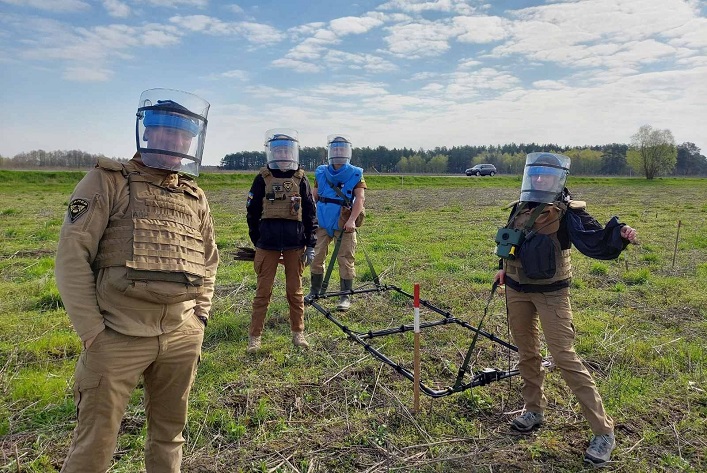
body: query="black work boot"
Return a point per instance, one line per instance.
(345, 300)
(316, 288)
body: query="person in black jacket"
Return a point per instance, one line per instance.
(282, 224)
(535, 267)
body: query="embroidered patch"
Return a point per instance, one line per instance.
(250, 198)
(77, 208)
(288, 185)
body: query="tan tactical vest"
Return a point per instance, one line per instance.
(548, 223)
(159, 237)
(282, 198)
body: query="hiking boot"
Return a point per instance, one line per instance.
(345, 300)
(600, 448)
(253, 344)
(527, 422)
(298, 340)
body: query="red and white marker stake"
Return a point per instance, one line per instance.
(416, 373)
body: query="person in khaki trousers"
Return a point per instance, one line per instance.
(339, 190)
(282, 224)
(135, 267)
(535, 267)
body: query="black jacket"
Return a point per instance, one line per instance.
(276, 233)
(592, 239)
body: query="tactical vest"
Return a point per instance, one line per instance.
(282, 198)
(329, 202)
(548, 223)
(159, 237)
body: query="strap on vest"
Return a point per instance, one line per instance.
(327, 200)
(347, 201)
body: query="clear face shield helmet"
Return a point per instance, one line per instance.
(170, 130)
(339, 149)
(282, 149)
(544, 177)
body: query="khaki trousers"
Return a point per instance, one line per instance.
(553, 311)
(106, 375)
(265, 264)
(345, 258)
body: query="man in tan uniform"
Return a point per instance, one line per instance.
(135, 267)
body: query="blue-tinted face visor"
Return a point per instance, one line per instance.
(339, 152)
(282, 152)
(170, 130)
(170, 120)
(544, 177)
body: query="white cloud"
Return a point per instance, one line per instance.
(179, 3)
(418, 6)
(234, 74)
(480, 29)
(87, 74)
(305, 30)
(296, 65)
(353, 25)
(234, 8)
(116, 8)
(416, 40)
(254, 32)
(51, 5)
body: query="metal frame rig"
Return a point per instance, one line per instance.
(485, 376)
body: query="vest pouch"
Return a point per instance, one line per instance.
(537, 255)
(359, 219)
(163, 292)
(346, 213)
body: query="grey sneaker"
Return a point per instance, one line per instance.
(527, 422)
(599, 450)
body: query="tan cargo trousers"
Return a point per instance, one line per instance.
(554, 312)
(346, 258)
(265, 264)
(106, 375)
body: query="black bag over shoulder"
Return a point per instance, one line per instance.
(537, 255)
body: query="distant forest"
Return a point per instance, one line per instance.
(509, 159)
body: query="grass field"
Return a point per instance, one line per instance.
(641, 323)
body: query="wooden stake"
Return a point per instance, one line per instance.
(677, 237)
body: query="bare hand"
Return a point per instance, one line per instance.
(350, 225)
(628, 233)
(500, 277)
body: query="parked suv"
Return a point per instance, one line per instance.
(481, 170)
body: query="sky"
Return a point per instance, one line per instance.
(394, 73)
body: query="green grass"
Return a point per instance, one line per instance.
(641, 323)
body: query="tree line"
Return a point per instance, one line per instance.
(651, 153)
(610, 160)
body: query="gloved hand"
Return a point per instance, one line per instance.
(308, 255)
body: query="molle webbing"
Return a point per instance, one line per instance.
(159, 234)
(547, 223)
(282, 197)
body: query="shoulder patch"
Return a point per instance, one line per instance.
(578, 204)
(77, 208)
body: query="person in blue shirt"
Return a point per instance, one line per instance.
(339, 190)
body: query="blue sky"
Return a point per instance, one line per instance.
(415, 73)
